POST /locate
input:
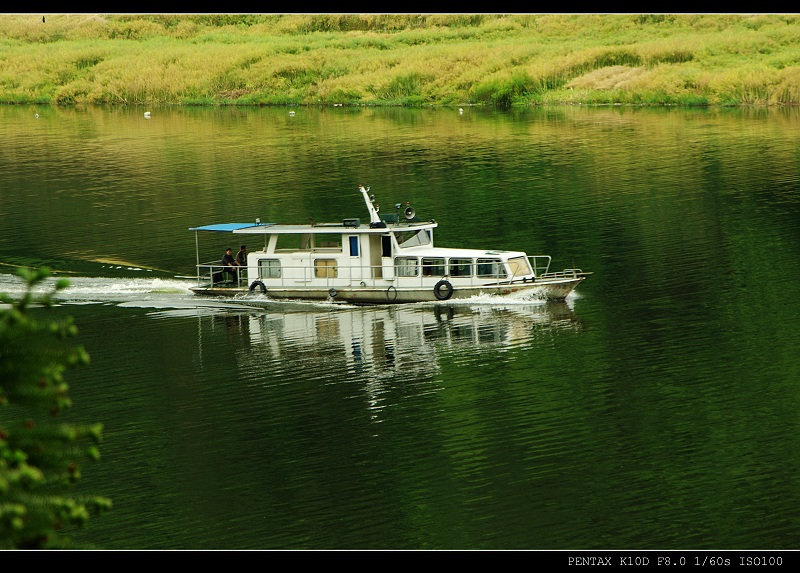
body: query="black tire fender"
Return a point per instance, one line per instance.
(442, 290)
(258, 285)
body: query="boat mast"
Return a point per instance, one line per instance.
(371, 207)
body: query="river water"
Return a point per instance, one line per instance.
(657, 408)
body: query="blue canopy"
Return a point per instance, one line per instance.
(223, 227)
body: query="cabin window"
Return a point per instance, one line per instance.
(292, 242)
(460, 267)
(269, 269)
(491, 268)
(519, 266)
(325, 268)
(405, 266)
(353, 246)
(432, 267)
(413, 239)
(327, 241)
(386, 246)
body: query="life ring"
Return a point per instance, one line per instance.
(391, 294)
(442, 290)
(332, 292)
(260, 285)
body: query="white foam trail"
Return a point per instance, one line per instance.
(101, 288)
(124, 287)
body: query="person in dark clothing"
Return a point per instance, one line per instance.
(230, 265)
(241, 256)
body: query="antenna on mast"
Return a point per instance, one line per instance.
(371, 206)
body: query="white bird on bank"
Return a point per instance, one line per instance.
(147, 115)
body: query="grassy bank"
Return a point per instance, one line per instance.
(392, 59)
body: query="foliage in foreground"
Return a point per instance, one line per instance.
(39, 457)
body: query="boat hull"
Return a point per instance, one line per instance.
(556, 289)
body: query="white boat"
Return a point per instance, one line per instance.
(390, 259)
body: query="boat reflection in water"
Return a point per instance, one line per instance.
(372, 348)
(368, 332)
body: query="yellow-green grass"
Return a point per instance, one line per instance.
(394, 59)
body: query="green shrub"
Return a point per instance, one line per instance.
(40, 458)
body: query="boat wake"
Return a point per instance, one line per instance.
(159, 293)
(521, 298)
(100, 289)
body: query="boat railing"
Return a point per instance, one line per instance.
(565, 274)
(540, 264)
(214, 274)
(217, 274)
